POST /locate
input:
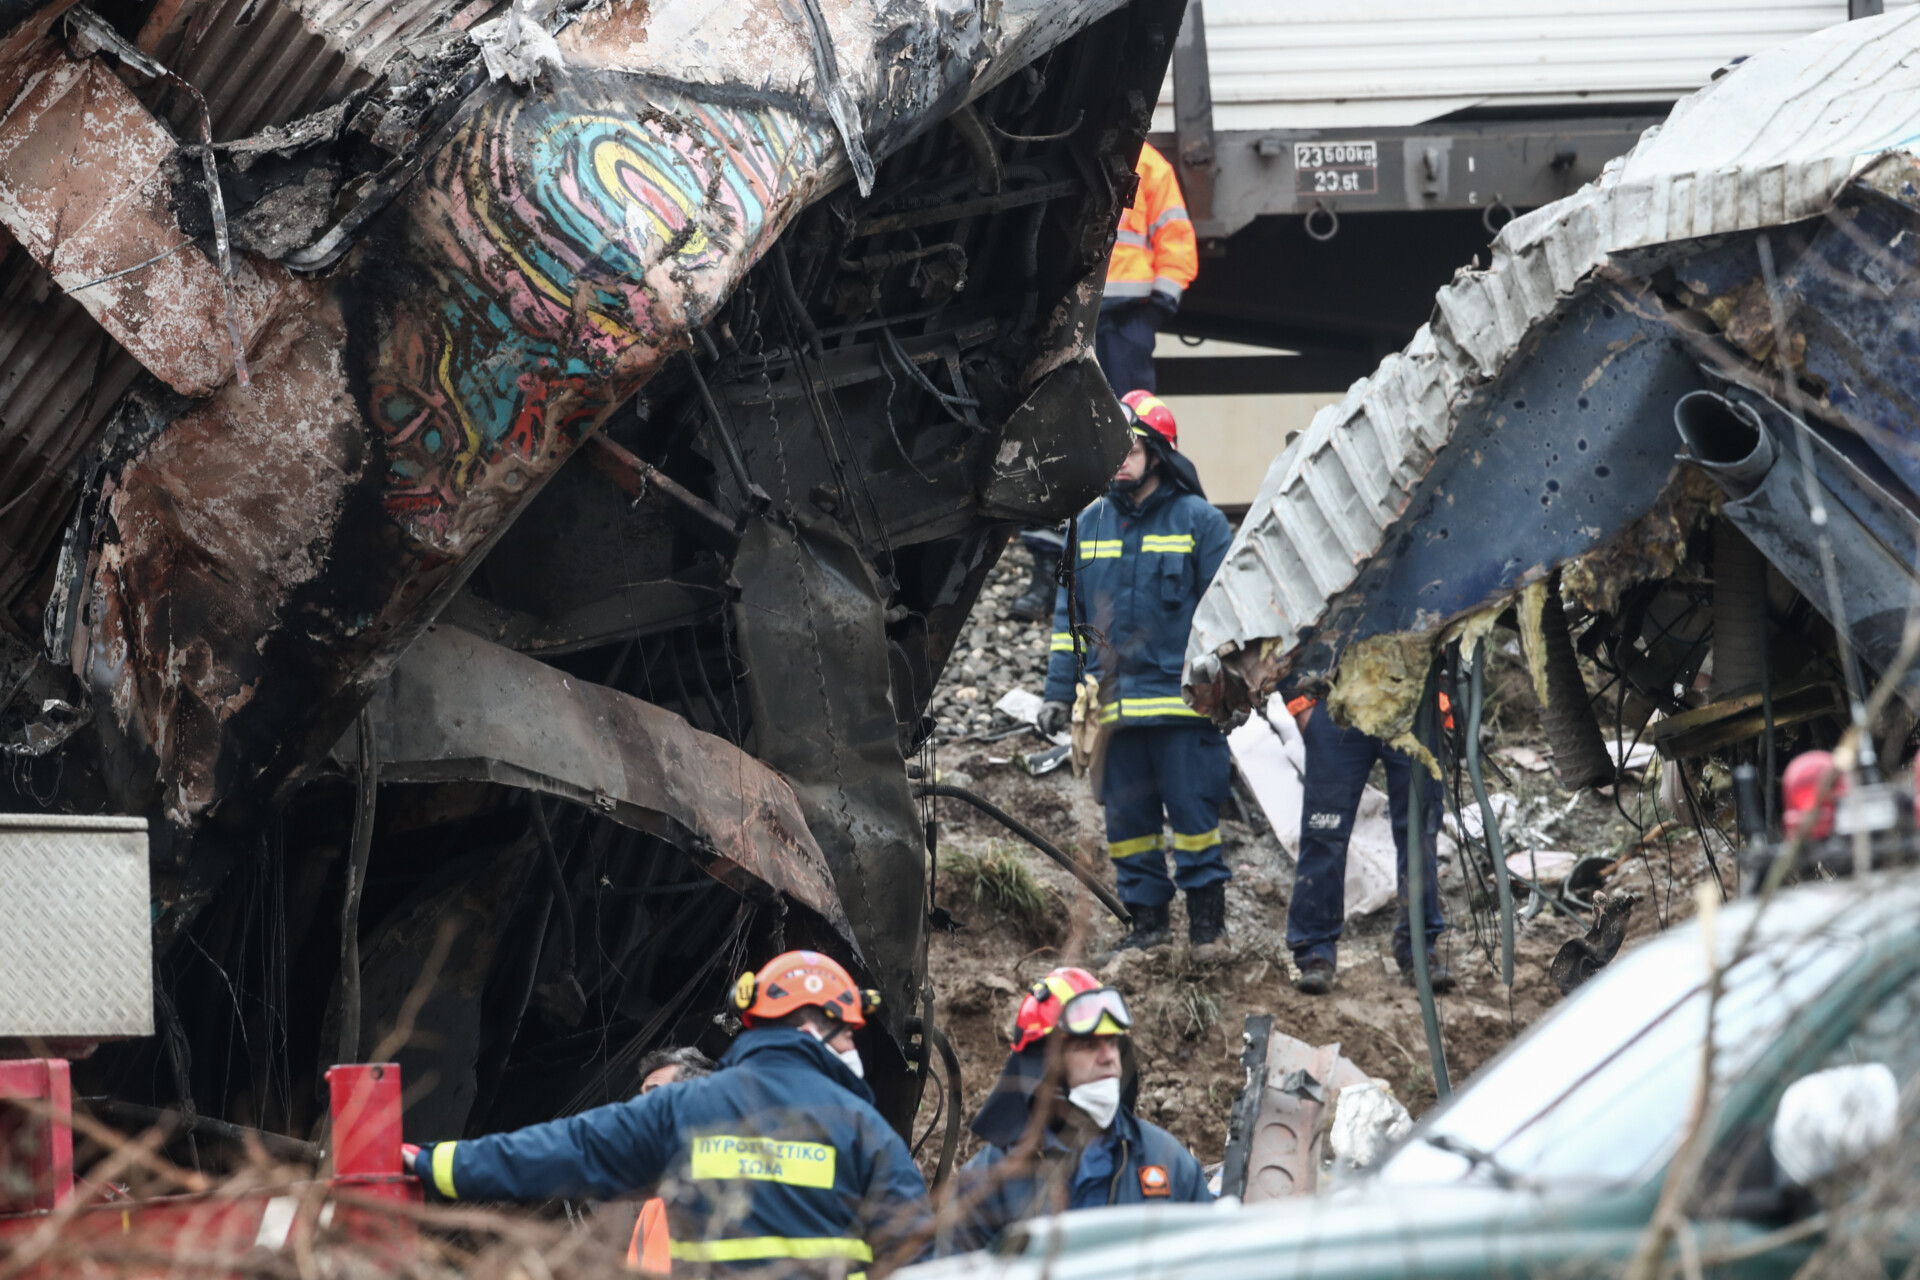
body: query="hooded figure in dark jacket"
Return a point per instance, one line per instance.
(1059, 1134)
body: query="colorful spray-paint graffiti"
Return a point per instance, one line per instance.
(572, 241)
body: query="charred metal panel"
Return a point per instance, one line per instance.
(1065, 439)
(60, 378)
(1572, 442)
(471, 901)
(460, 709)
(199, 669)
(83, 187)
(1850, 298)
(1874, 538)
(811, 624)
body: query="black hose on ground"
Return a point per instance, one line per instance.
(1032, 837)
(950, 1140)
(1739, 613)
(1572, 729)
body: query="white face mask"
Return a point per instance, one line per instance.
(851, 1057)
(1100, 1100)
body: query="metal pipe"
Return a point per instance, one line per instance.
(275, 1144)
(1490, 826)
(636, 476)
(1726, 439)
(754, 496)
(1032, 837)
(356, 885)
(1416, 889)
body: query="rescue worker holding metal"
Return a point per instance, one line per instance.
(1146, 553)
(1338, 763)
(1060, 1135)
(777, 1160)
(1155, 257)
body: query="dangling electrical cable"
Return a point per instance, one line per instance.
(1489, 823)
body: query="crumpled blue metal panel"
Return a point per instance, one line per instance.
(1573, 441)
(1851, 298)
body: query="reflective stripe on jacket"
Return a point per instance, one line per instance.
(1133, 1162)
(777, 1155)
(1140, 575)
(1155, 251)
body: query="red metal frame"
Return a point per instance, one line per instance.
(142, 1238)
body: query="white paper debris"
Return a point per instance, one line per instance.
(1019, 704)
(1273, 769)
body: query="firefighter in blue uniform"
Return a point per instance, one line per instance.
(1147, 552)
(777, 1159)
(1059, 1134)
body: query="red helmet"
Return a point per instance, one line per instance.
(1800, 787)
(1153, 414)
(797, 979)
(1072, 998)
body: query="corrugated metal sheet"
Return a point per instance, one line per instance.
(60, 376)
(1294, 64)
(1773, 142)
(265, 62)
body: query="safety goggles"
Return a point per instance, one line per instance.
(1102, 1011)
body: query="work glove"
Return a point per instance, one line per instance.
(1165, 304)
(1053, 718)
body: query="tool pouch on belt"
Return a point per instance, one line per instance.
(1090, 736)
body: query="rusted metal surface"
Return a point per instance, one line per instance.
(1297, 1093)
(458, 709)
(83, 188)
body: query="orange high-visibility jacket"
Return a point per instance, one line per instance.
(1155, 251)
(651, 1247)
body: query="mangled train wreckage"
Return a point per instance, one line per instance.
(1673, 422)
(495, 486)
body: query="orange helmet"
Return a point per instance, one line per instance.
(1072, 998)
(1152, 414)
(797, 979)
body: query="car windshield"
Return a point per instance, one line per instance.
(1599, 1092)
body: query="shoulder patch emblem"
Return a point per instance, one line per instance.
(1154, 1182)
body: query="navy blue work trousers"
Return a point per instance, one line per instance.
(1123, 344)
(1159, 776)
(1338, 762)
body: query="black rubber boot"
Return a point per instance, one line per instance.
(1037, 604)
(1149, 928)
(1207, 914)
(1315, 978)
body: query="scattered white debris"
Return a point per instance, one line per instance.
(1368, 1122)
(515, 46)
(1526, 758)
(1631, 757)
(1544, 866)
